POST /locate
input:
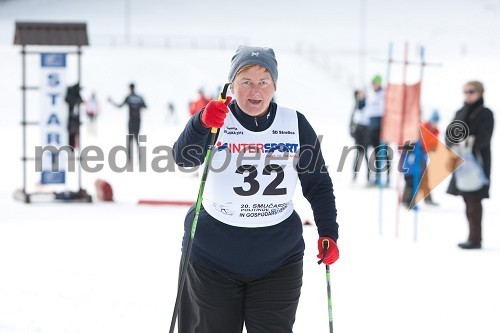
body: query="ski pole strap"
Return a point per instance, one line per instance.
(326, 245)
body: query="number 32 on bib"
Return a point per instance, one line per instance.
(252, 178)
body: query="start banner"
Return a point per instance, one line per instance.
(53, 117)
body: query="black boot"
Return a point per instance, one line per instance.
(469, 245)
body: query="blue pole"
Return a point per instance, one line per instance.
(418, 157)
(383, 144)
(416, 183)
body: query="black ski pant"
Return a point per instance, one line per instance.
(361, 141)
(217, 302)
(133, 134)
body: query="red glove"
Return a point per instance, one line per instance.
(215, 113)
(328, 250)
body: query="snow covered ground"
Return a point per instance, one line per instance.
(112, 267)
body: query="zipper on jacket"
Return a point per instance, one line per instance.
(256, 123)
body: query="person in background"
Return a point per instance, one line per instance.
(245, 267)
(198, 103)
(171, 114)
(92, 111)
(359, 132)
(74, 99)
(431, 139)
(135, 105)
(374, 111)
(480, 122)
(414, 163)
(430, 145)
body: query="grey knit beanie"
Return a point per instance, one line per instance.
(253, 55)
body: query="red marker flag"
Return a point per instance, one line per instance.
(402, 113)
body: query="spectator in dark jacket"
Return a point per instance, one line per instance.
(479, 121)
(74, 99)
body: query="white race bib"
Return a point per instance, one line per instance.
(252, 176)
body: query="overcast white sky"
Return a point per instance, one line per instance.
(447, 27)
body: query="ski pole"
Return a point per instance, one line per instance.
(187, 254)
(326, 245)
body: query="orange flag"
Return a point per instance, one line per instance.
(442, 162)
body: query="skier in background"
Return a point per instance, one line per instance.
(135, 105)
(374, 109)
(431, 144)
(92, 111)
(428, 143)
(171, 114)
(359, 132)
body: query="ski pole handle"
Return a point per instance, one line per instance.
(222, 98)
(325, 244)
